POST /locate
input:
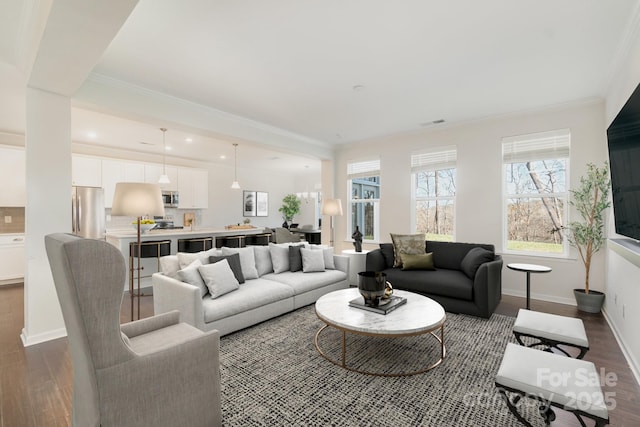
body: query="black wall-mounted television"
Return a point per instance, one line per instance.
(623, 137)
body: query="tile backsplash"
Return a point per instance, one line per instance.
(11, 220)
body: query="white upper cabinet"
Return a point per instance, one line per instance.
(13, 177)
(86, 171)
(114, 171)
(152, 173)
(193, 188)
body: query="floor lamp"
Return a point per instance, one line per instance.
(332, 207)
(137, 199)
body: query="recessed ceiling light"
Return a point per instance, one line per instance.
(222, 156)
(188, 139)
(168, 148)
(358, 88)
(92, 135)
(146, 143)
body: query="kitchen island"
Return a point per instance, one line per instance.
(170, 238)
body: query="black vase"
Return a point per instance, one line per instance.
(285, 225)
(372, 286)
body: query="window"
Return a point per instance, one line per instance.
(364, 202)
(433, 175)
(535, 192)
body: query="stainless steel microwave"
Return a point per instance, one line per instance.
(170, 199)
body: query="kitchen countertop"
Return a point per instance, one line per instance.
(132, 233)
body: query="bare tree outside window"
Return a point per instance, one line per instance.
(435, 203)
(536, 202)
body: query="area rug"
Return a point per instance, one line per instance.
(272, 375)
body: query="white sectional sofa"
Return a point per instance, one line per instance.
(270, 289)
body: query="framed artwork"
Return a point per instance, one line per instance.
(248, 203)
(262, 203)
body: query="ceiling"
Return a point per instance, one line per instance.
(331, 72)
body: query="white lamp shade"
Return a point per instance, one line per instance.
(235, 185)
(164, 179)
(332, 207)
(137, 199)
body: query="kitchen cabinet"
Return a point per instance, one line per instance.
(12, 258)
(193, 188)
(12, 176)
(114, 171)
(86, 171)
(152, 173)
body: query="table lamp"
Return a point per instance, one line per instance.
(137, 199)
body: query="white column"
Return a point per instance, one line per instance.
(48, 209)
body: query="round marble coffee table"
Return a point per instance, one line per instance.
(419, 316)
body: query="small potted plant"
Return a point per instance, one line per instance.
(591, 200)
(290, 207)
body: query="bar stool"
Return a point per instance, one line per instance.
(197, 244)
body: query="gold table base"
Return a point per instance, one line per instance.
(343, 363)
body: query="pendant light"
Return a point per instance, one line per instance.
(235, 185)
(164, 178)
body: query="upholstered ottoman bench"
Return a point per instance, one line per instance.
(553, 380)
(550, 331)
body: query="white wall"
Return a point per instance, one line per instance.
(622, 303)
(225, 204)
(479, 186)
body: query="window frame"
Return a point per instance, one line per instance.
(562, 148)
(356, 169)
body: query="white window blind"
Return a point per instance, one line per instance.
(536, 146)
(363, 169)
(442, 158)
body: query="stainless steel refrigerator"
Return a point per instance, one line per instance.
(87, 210)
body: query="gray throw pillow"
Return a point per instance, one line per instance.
(234, 263)
(473, 259)
(295, 258)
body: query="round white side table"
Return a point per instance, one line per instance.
(529, 268)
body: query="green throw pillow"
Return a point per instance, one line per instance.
(417, 262)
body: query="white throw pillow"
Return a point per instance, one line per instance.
(327, 251)
(169, 266)
(263, 260)
(247, 260)
(186, 258)
(192, 276)
(312, 260)
(219, 278)
(279, 257)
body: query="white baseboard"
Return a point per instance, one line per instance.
(28, 340)
(541, 297)
(633, 363)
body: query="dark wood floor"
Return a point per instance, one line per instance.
(35, 382)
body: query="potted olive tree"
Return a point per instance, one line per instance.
(591, 200)
(290, 207)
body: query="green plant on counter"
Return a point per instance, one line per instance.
(290, 207)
